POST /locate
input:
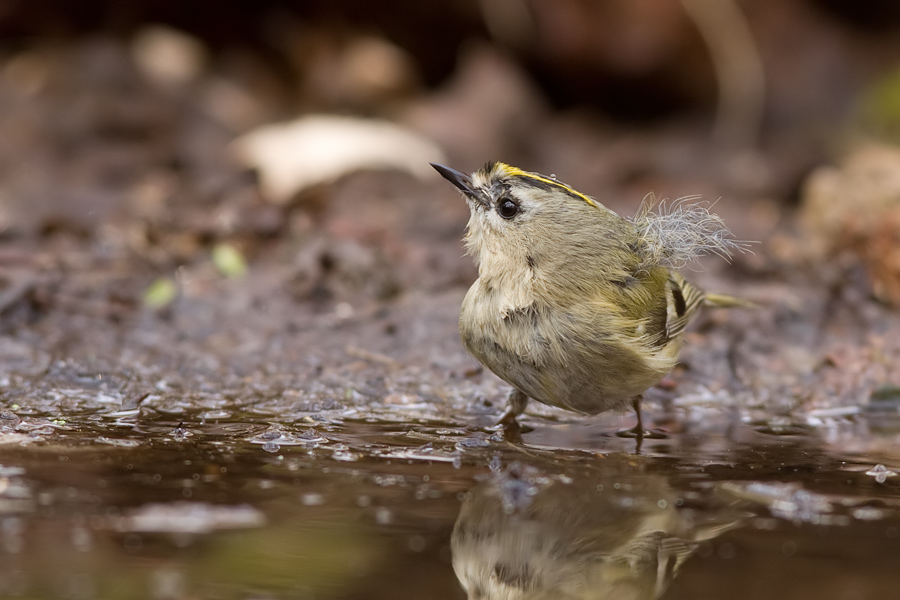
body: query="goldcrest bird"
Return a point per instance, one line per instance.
(574, 305)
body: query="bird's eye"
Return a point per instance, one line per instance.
(507, 209)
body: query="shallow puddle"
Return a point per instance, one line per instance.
(337, 508)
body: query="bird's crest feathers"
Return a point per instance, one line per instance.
(494, 171)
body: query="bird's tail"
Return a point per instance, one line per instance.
(726, 301)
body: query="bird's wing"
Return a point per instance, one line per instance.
(683, 300)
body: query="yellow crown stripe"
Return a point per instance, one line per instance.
(517, 172)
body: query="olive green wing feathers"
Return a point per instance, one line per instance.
(682, 302)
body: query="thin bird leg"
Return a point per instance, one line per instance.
(639, 428)
(637, 431)
(515, 406)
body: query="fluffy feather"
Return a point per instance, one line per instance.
(679, 232)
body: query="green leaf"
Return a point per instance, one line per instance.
(229, 260)
(160, 293)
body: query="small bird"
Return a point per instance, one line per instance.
(574, 305)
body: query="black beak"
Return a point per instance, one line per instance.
(460, 180)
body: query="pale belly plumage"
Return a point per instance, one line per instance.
(536, 349)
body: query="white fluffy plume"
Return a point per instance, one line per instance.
(678, 232)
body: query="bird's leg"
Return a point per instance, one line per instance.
(638, 430)
(515, 406)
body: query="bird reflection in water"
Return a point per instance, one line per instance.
(525, 534)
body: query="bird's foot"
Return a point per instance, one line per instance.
(511, 427)
(509, 423)
(512, 431)
(640, 433)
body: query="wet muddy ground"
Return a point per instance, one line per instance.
(210, 388)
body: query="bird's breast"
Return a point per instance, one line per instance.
(575, 357)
